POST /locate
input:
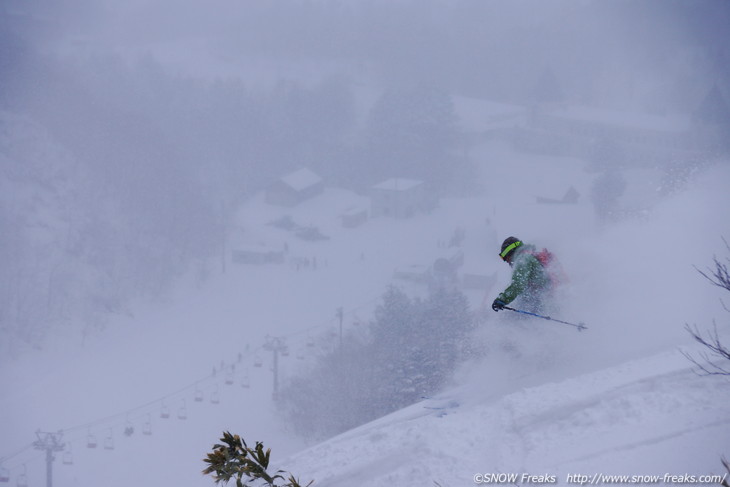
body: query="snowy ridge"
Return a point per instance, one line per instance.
(604, 421)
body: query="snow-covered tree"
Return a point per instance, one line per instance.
(605, 193)
(410, 349)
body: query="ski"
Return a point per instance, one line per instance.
(442, 409)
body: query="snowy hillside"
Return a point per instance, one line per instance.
(646, 417)
(543, 398)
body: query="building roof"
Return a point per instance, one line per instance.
(301, 179)
(481, 115)
(398, 184)
(629, 120)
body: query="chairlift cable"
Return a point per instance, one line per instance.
(125, 414)
(20, 451)
(136, 408)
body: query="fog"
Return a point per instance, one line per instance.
(137, 140)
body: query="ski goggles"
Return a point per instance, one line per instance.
(509, 249)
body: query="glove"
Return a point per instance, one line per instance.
(498, 305)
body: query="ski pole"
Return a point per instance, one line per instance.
(581, 326)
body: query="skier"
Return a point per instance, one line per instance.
(531, 279)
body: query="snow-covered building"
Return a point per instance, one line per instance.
(626, 137)
(590, 132)
(354, 216)
(257, 254)
(482, 120)
(569, 198)
(400, 198)
(295, 187)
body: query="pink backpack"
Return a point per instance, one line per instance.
(552, 267)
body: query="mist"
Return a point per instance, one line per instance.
(139, 141)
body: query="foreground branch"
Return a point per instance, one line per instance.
(235, 459)
(720, 276)
(716, 348)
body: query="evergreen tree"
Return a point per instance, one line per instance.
(446, 320)
(605, 193)
(392, 345)
(411, 349)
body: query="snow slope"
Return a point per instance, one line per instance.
(644, 417)
(542, 398)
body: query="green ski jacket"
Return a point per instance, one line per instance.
(529, 278)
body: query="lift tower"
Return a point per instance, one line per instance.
(51, 443)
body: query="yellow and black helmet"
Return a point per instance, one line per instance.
(508, 246)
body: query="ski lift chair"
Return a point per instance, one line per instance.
(109, 441)
(147, 427)
(22, 478)
(182, 413)
(91, 441)
(68, 458)
(4, 475)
